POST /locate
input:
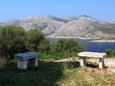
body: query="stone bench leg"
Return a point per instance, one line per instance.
(101, 63)
(22, 64)
(82, 61)
(36, 62)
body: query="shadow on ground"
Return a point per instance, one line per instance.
(92, 65)
(47, 74)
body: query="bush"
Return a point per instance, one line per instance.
(12, 40)
(69, 47)
(110, 53)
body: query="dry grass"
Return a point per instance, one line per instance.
(56, 74)
(87, 77)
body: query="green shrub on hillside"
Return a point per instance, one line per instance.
(110, 53)
(66, 46)
(12, 40)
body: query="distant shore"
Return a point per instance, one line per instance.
(68, 37)
(92, 39)
(102, 41)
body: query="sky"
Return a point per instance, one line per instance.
(103, 10)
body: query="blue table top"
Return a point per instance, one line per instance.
(27, 55)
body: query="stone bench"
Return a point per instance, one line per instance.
(84, 55)
(23, 58)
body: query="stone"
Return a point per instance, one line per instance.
(82, 61)
(23, 58)
(22, 64)
(101, 63)
(84, 55)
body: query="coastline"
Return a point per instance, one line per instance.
(103, 41)
(68, 37)
(92, 39)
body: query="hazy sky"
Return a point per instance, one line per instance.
(19, 9)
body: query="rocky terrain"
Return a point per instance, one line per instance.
(78, 26)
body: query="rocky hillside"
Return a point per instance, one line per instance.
(79, 26)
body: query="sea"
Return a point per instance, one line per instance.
(90, 46)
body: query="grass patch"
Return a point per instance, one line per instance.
(56, 56)
(55, 74)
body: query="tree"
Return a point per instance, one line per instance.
(44, 45)
(12, 40)
(36, 40)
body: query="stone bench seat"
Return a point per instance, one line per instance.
(23, 58)
(84, 55)
(27, 55)
(92, 54)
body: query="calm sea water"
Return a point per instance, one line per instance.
(92, 46)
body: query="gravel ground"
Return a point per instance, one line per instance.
(109, 62)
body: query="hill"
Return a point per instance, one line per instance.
(78, 26)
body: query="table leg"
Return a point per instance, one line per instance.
(101, 63)
(22, 64)
(36, 62)
(82, 61)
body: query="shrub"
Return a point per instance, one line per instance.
(36, 40)
(110, 53)
(12, 40)
(68, 47)
(44, 45)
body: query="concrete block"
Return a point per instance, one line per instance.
(82, 61)
(22, 64)
(101, 63)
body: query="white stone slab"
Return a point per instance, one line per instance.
(92, 54)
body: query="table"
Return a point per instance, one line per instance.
(84, 55)
(22, 59)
